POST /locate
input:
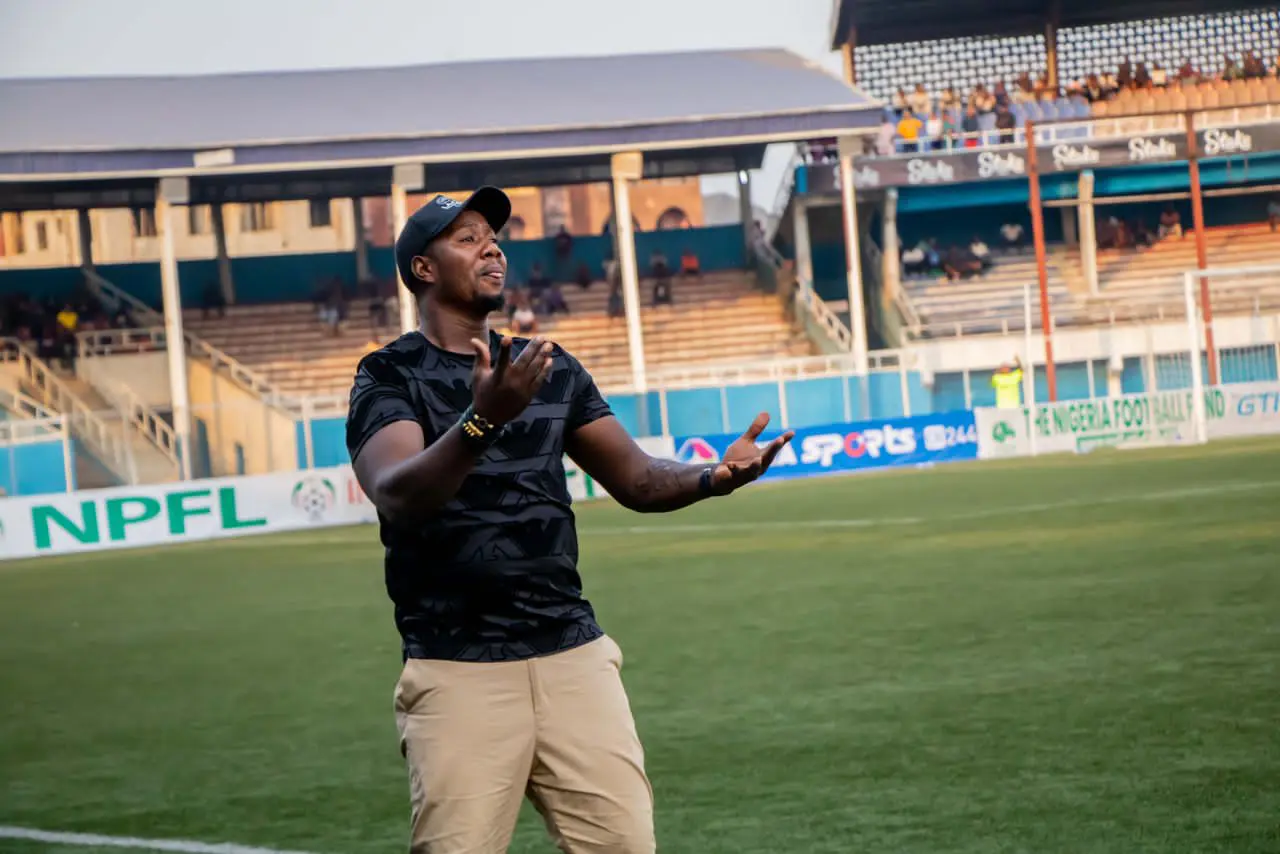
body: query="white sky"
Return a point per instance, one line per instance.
(74, 38)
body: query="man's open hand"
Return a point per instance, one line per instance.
(743, 461)
(502, 391)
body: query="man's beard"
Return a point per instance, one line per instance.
(489, 304)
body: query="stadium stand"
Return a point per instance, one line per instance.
(716, 318)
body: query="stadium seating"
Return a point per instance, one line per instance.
(718, 318)
(992, 302)
(1133, 285)
(1209, 95)
(1143, 282)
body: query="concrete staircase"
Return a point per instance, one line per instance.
(147, 459)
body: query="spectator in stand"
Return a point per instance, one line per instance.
(689, 265)
(553, 301)
(1188, 75)
(1159, 77)
(884, 140)
(969, 126)
(564, 253)
(583, 276)
(658, 265)
(978, 249)
(538, 280)
(616, 306)
(982, 100)
(1093, 89)
(523, 320)
(335, 307)
(950, 129)
(1230, 70)
(1002, 96)
(564, 244)
(949, 100)
(1124, 74)
(1023, 90)
(1170, 222)
(1143, 237)
(1005, 123)
(900, 102)
(960, 264)
(1014, 236)
(1273, 212)
(1142, 77)
(914, 260)
(909, 130)
(933, 129)
(919, 101)
(1253, 67)
(371, 290)
(212, 299)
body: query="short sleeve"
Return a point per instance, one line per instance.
(587, 404)
(380, 396)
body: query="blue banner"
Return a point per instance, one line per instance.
(922, 440)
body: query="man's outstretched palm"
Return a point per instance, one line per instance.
(743, 461)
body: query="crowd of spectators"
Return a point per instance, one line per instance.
(50, 325)
(956, 262)
(921, 121)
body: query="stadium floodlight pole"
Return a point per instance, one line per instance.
(1042, 264)
(1202, 251)
(627, 167)
(405, 178)
(170, 192)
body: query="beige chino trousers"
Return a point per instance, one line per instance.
(479, 737)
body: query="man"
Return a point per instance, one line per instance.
(909, 130)
(457, 434)
(1008, 385)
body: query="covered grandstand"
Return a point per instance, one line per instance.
(161, 143)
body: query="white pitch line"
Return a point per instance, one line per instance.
(97, 841)
(1048, 506)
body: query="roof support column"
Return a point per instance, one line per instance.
(1051, 43)
(891, 275)
(847, 55)
(225, 280)
(628, 167)
(804, 251)
(848, 145)
(1087, 215)
(171, 192)
(748, 216)
(361, 245)
(84, 234)
(405, 178)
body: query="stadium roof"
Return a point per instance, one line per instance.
(904, 21)
(550, 118)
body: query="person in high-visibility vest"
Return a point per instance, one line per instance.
(1008, 385)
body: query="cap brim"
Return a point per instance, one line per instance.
(492, 204)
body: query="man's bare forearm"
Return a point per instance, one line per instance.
(416, 488)
(662, 486)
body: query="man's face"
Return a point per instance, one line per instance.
(464, 266)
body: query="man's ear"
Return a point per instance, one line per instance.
(424, 269)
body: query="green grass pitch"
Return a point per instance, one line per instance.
(1056, 655)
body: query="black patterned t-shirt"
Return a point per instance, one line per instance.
(493, 575)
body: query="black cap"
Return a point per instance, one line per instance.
(430, 220)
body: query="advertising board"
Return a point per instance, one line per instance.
(866, 445)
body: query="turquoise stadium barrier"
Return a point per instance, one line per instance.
(816, 401)
(32, 468)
